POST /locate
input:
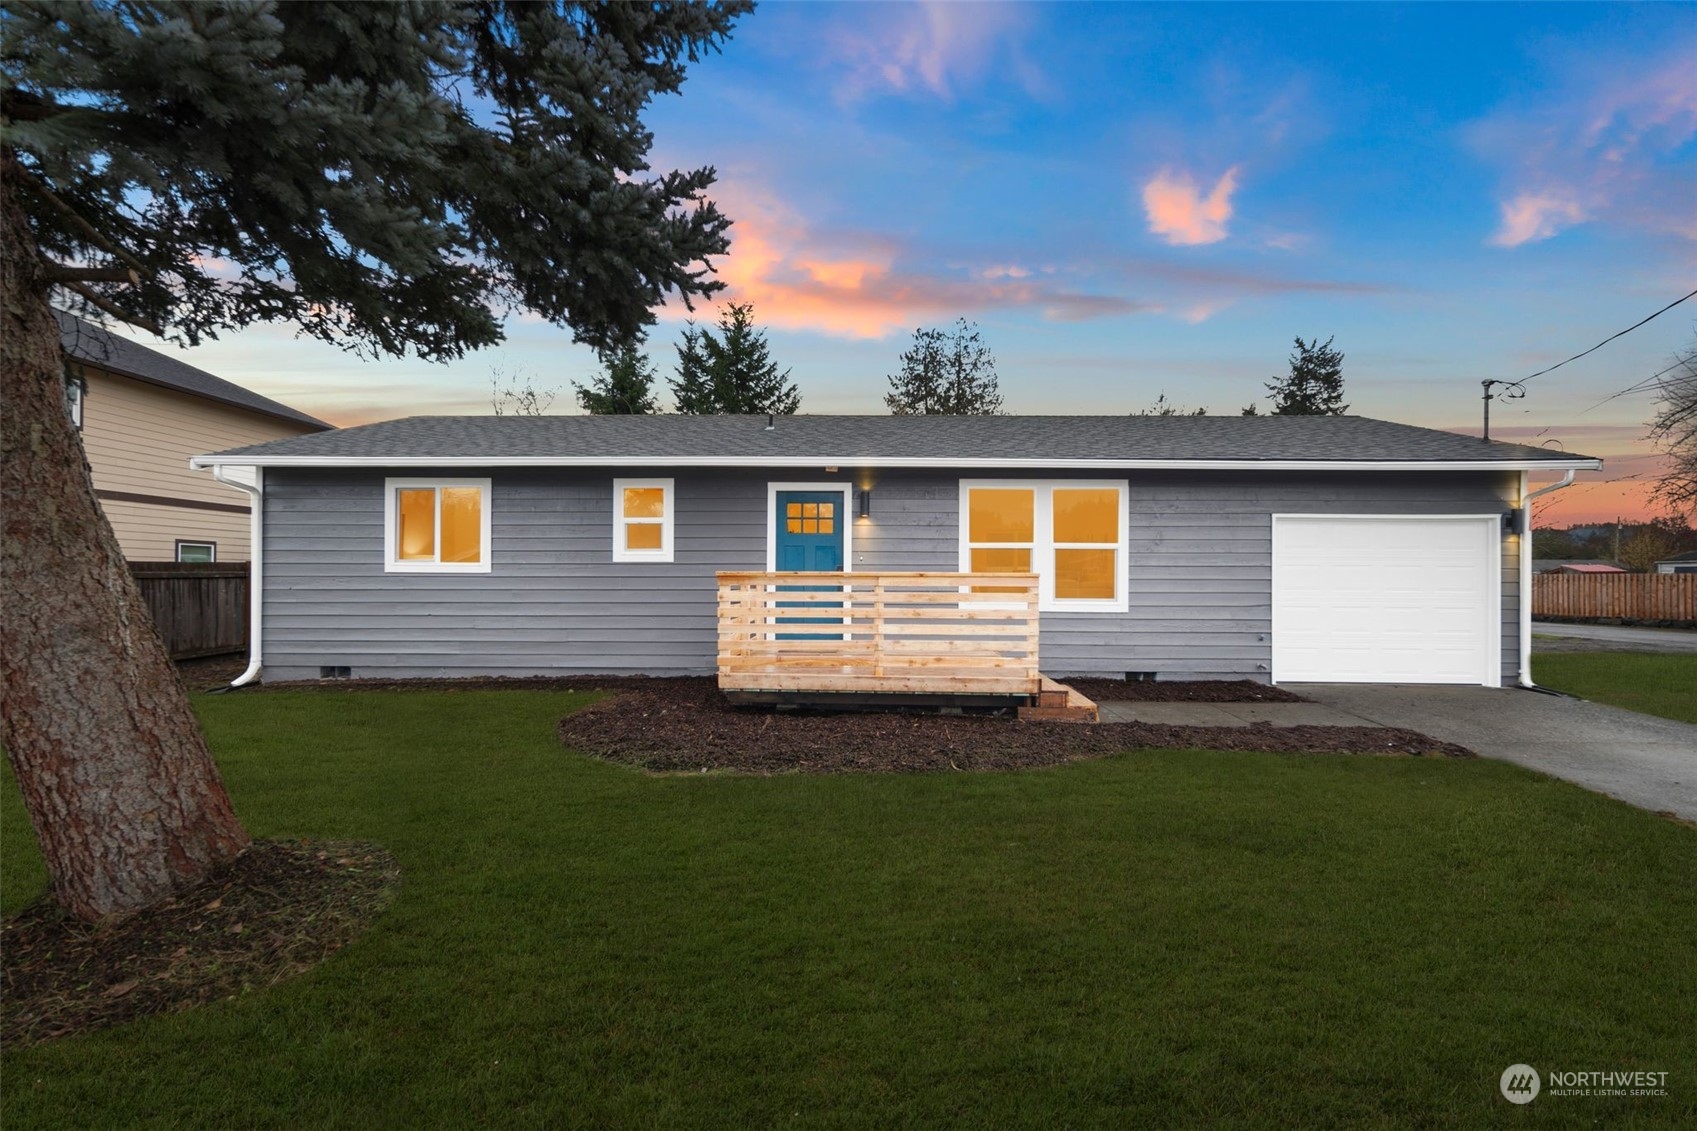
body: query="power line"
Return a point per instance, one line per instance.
(1514, 390)
(1609, 339)
(1641, 386)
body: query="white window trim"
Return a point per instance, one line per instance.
(1043, 544)
(664, 553)
(391, 523)
(845, 524)
(210, 545)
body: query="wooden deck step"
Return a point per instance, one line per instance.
(1059, 703)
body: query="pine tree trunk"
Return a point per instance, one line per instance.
(125, 798)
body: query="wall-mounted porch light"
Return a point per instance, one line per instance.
(866, 503)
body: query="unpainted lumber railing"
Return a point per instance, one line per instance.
(919, 633)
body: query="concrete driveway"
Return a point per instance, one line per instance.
(1610, 638)
(1641, 759)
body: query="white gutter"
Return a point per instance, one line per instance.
(1526, 571)
(256, 595)
(201, 462)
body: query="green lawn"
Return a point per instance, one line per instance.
(1159, 939)
(1655, 684)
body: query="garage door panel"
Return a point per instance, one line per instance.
(1386, 599)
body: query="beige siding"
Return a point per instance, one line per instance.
(139, 438)
(150, 534)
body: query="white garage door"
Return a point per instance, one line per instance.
(1386, 599)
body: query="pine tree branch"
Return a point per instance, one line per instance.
(112, 308)
(64, 273)
(80, 222)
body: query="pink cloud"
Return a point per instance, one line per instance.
(1607, 143)
(1181, 215)
(862, 287)
(1533, 216)
(935, 48)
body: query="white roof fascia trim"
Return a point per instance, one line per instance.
(201, 462)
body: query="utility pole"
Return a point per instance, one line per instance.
(1512, 390)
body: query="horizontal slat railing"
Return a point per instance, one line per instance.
(922, 633)
(1626, 596)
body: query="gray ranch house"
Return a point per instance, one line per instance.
(1282, 549)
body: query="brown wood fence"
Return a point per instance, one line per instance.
(1626, 596)
(199, 608)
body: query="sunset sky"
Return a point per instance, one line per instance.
(1131, 200)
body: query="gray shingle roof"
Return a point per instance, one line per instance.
(889, 440)
(86, 342)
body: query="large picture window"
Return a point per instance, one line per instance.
(1072, 534)
(436, 525)
(642, 520)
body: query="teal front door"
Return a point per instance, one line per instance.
(808, 538)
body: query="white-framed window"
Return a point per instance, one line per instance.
(196, 551)
(76, 392)
(436, 525)
(642, 520)
(1073, 533)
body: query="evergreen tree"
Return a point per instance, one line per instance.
(624, 387)
(946, 373)
(1250, 409)
(731, 372)
(389, 177)
(692, 388)
(1314, 386)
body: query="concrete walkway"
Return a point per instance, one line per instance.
(1640, 759)
(1611, 638)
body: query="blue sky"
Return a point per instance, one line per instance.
(1138, 199)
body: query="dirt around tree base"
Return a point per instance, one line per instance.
(679, 725)
(275, 911)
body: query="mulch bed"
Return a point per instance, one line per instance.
(676, 725)
(1182, 691)
(275, 911)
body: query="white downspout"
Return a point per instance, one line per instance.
(1526, 570)
(256, 590)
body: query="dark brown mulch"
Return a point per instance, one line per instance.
(278, 909)
(673, 725)
(209, 672)
(1182, 691)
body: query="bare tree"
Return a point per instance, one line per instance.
(515, 394)
(1163, 407)
(1674, 431)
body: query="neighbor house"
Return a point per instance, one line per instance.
(1557, 566)
(1270, 548)
(1679, 563)
(142, 415)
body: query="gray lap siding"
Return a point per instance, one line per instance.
(1199, 569)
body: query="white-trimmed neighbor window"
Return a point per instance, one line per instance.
(436, 525)
(197, 551)
(642, 520)
(1071, 533)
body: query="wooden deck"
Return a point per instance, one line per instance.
(956, 637)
